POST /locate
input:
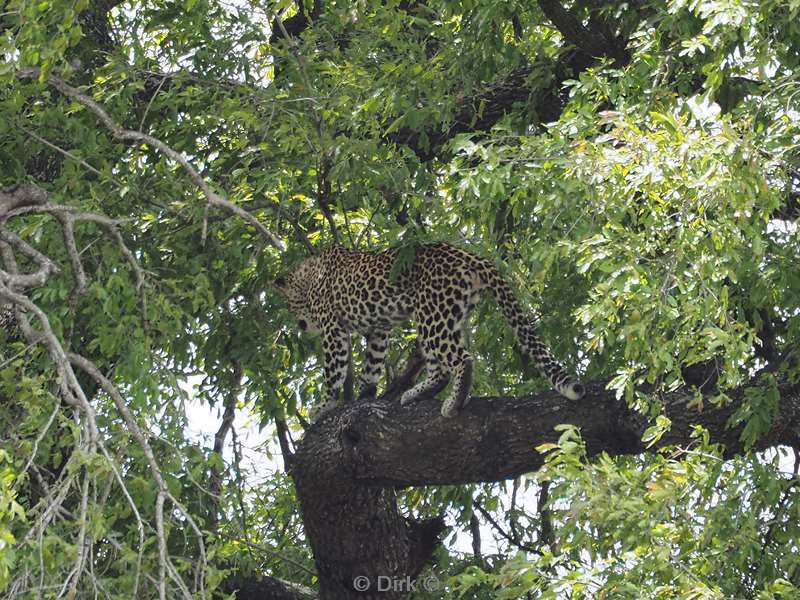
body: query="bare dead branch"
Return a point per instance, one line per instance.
(81, 282)
(68, 216)
(119, 132)
(71, 582)
(26, 280)
(162, 548)
(133, 427)
(71, 390)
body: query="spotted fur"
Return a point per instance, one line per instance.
(340, 291)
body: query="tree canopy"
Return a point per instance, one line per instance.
(633, 168)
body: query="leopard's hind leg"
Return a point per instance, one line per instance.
(447, 345)
(435, 381)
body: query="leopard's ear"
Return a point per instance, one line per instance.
(280, 282)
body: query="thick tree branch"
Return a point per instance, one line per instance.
(296, 24)
(21, 195)
(266, 588)
(350, 462)
(493, 438)
(593, 41)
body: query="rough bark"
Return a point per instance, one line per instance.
(349, 464)
(266, 588)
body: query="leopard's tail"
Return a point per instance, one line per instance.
(522, 322)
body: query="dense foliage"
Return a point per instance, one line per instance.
(633, 166)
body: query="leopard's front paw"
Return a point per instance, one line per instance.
(409, 397)
(317, 412)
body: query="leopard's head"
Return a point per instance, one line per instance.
(297, 288)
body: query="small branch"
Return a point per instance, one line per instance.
(136, 514)
(324, 194)
(68, 230)
(273, 553)
(283, 441)
(546, 523)
(499, 529)
(768, 349)
(324, 166)
(25, 280)
(512, 518)
(66, 153)
(71, 391)
(71, 582)
(68, 216)
(215, 479)
(237, 468)
(475, 532)
(348, 390)
(162, 548)
(414, 366)
(300, 234)
(152, 99)
(212, 197)
(40, 437)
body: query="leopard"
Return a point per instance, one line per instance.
(340, 291)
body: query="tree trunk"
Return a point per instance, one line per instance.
(362, 545)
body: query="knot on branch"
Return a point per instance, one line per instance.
(18, 196)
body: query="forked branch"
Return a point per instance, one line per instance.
(212, 198)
